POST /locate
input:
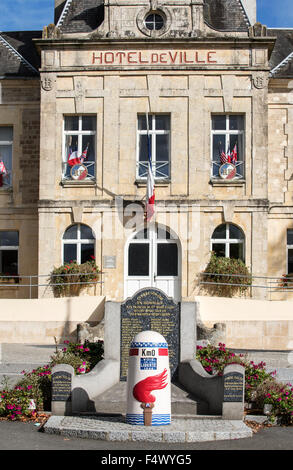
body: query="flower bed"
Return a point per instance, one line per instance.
(17, 404)
(260, 386)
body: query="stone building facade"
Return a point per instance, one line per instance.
(202, 79)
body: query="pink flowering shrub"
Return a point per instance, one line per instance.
(260, 386)
(36, 384)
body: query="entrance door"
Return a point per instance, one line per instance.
(153, 260)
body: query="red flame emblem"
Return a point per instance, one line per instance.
(142, 390)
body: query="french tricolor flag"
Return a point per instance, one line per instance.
(150, 195)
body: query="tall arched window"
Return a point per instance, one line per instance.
(228, 241)
(78, 244)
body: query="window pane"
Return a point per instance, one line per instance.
(162, 122)
(289, 237)
(236, 251)
(138, 259)
(88, 123)
(290, 261)
(143, 148)
(235, 232)
(218, 122)
(220, 232)
(86, 233)
(9, 238)
(70, 252)
(142, 122)
(219, 146)
(167, 259)
(71, 233)
(71, 123)
(88, 157)
(236, 123)
(6, 134)
(162, 148)
(219, 249)
(9, 262)
(87, 252)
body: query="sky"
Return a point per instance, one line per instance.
(35, 14)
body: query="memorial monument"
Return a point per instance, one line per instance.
(193, 390)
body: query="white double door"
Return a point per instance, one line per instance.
(152, 259)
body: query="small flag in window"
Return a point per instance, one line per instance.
(84, 154)
(73, 158)
(234, 154)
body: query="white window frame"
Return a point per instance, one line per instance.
(155, 165)
(80, 133)
(227, 132)
(9, 248)
(7, 143)
(78, 242)
(227, 241)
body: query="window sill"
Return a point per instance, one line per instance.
(158, 184)
(6, 189)
(84, 183)
(220, 183)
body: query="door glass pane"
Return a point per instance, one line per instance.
(167, 259)
(236, 251)
(162, 234)
(290, 261)
(9, 238)
(71, 233)
(142, 235)
(138, 259)
(219, 249)
(9, 262)
(87, 252)
(70, 252)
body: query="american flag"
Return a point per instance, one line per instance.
(225, 157)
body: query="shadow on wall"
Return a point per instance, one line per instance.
(94, 319)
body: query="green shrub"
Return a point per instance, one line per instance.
(71, 278)
(217, 273)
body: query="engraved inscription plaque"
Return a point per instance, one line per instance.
(61, 386)
(233, 387)
(150, 309)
